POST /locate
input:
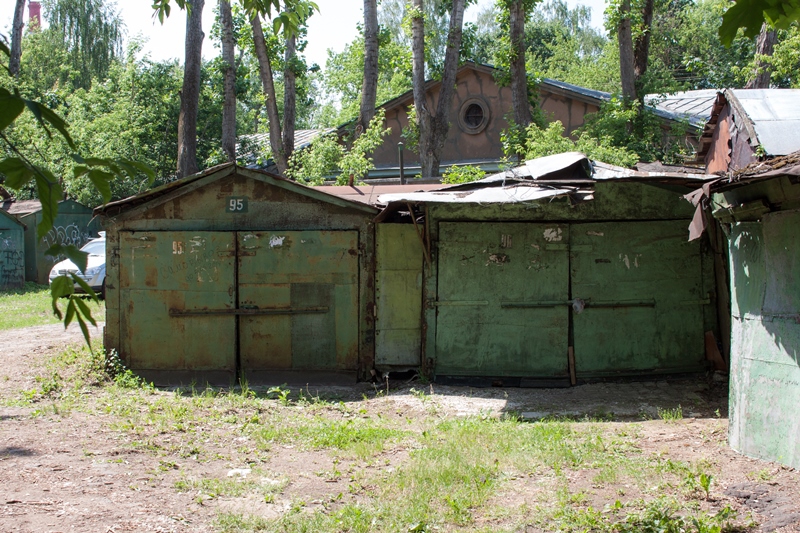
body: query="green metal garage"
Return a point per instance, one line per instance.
(234, 272)
(73, 225)
(561, 271)
(12, 252)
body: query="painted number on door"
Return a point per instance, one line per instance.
(236, 204)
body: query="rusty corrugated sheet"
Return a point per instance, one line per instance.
(368, 194)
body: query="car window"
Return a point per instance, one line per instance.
(95, 248)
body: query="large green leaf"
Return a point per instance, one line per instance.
(71, 252)
(61, 287)
(11, 106)
(102, 182)
(751, 14)
(50, 194)
(16, 171)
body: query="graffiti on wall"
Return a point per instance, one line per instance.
(12, 263)
(65, 235)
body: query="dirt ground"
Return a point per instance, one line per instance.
(63, 472)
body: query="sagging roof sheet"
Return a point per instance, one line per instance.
(570, 173)
(775, 116)
(694, 106)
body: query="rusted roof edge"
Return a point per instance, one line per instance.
(128, 206)
(305, 190)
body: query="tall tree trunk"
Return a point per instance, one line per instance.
(369, 87)
(764, 48)
(190, 93)
(626, 64)
(641, 48)
(418, 84)
(16, 38)
(520, 102)
(433, 127)
(289, 96)
(265, 71)
(229, 75)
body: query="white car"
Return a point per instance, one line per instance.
(95, 274)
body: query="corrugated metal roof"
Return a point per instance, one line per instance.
(490, 195)
(368, 194)
(775, 116)
(694, 106)
(302, 138)
(545, 177)
(596, 97)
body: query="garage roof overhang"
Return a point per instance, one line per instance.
(132, 206)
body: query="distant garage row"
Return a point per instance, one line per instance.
(563, 270)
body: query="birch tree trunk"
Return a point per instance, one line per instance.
(289, 96)
(433, 127)
(229, 82)
(265, 72)
(764, 48)
(16, 38)
(369, 87)
(519, 77)
(190, 93)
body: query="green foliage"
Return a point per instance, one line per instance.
(90, 32)
(542, 141)
(326, 155)
(639, 131)
(751, 14)
(18, 170)
(410, 133)
(670, 415)
(344, 72)
(685, 45)
(785, 60)
(463, 174)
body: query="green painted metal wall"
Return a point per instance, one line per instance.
(239, 272)
(73, 225)
(12, 252)
(764, 253)
(497, 298)
(765, 339)
(398, 296)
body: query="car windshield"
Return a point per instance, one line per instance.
(95, 248)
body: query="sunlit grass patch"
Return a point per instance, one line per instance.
(32, 306)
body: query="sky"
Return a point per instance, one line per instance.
(333, 27)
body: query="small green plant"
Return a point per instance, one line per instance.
(122, 376)
(463, 174)
(705, 483)
(670, 415)
(280, 393)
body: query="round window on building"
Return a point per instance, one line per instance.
(474, 116)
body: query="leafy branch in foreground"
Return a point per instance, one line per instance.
(17, 171)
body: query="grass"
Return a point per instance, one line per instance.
(416, 472)
(32, 306)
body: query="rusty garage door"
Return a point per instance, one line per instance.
(641, 298)
(247, 301)
(302, 290)
(513, 297)
(164, 273)
(497, 286)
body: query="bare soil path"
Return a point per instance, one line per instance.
(80, 465)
